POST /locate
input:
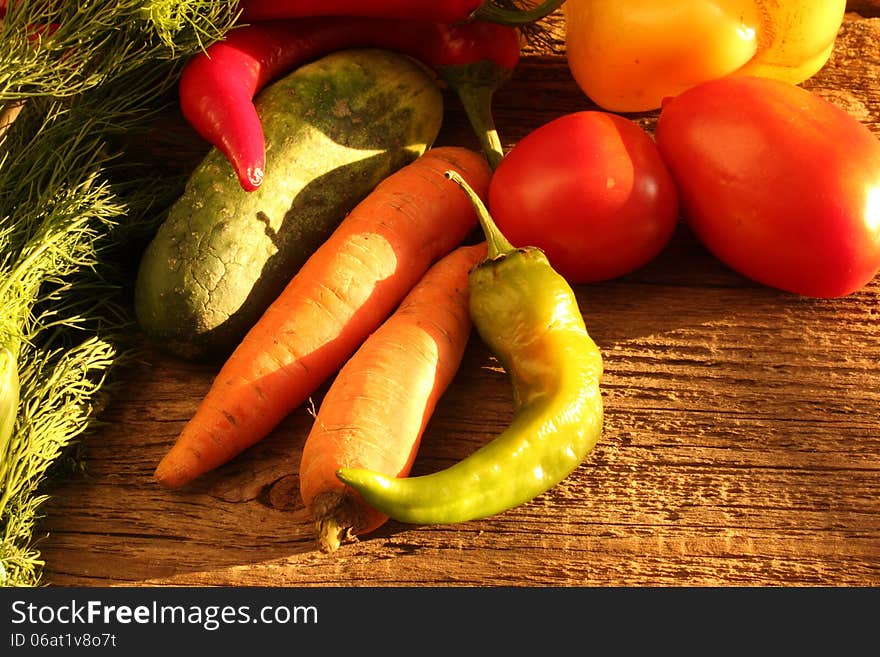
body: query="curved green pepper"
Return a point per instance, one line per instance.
(528, 316)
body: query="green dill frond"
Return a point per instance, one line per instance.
(20, 562)
(63, 49)
(80, 80)
(202, 23)
(62, 388)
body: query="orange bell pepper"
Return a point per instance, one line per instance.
(627, 55)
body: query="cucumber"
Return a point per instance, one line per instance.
(334, 128)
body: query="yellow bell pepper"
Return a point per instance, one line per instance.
(627, 55)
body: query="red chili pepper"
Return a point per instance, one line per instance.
(217, 87)
(439, 11)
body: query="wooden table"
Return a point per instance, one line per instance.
(741, 442)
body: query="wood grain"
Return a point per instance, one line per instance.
(741, 442)
(865, 8)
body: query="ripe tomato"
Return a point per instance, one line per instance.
(591, 190)
(628, 56)
(780, 184)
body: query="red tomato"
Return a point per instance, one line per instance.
(591, 190)
(778, 183)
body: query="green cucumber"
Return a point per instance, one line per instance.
(334, 129)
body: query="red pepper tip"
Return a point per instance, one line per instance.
(251, 179)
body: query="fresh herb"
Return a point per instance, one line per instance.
(541, 34)
(77, 80)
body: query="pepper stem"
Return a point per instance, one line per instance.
(496, 243)
(475, 85)
(477, 103)
(489, 11)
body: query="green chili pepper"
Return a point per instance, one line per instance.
(528, 316)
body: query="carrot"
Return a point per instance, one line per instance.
(376, 410)
(343, 292)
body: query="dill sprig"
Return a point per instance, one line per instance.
(65, 48)
(542, 34)
(82, 78)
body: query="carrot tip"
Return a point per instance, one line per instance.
(166, 479)
(330, 534)
(171, 475)
(336, 516)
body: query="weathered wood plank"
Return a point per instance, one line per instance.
(867, 8)
(741, 443)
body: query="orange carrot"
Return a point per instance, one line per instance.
(376, 410)
(348, 287)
